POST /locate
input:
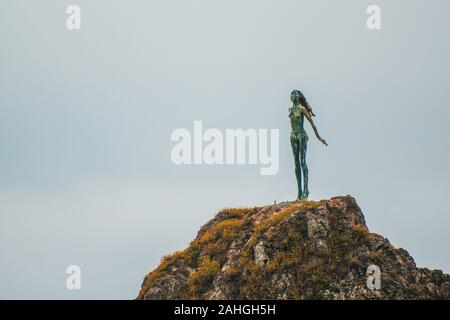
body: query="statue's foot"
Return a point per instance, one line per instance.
(305, 195)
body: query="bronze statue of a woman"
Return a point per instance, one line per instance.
(299, 110)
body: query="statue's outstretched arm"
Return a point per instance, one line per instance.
(308, 116)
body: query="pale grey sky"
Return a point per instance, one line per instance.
(86, 118)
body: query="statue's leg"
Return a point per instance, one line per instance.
(304, 166)
(295, 144)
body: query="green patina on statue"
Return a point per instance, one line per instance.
(299, 139)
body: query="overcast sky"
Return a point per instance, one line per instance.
(86, 117)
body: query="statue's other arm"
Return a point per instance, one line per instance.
(308, 116)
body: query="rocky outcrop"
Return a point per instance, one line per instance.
(299, 250)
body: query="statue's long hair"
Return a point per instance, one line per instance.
(305, 103)
(307, 106)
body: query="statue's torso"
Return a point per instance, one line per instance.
(297, 118)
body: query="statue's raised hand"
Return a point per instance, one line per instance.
(323, 141)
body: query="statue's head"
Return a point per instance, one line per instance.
(297, 96)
